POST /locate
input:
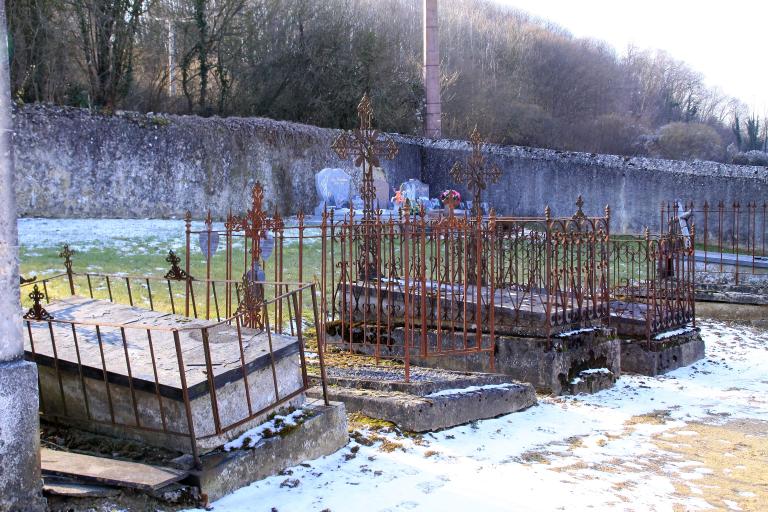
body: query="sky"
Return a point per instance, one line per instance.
(725, 41)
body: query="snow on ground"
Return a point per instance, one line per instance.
(133, 236)
(590, 452)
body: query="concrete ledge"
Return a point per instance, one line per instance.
(322, 434)
(424, 414)
(661, 355)
(551, 366)
(20, 480)
(749, 288)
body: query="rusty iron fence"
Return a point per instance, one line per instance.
(136, 353)
(431, 286)
(732, 238)
(652, 284)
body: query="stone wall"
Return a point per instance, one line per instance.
(71, 163)
(633, 187)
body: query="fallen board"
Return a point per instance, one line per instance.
(87, 468)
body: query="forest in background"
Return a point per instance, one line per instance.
(520, 79)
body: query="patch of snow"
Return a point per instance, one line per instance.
(577, 331)
(676, 332)
(591, 371)
(470, 467)
(252, 437)
(470, 389)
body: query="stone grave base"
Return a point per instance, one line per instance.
(432, 400)
(224, 472)
(664, 353)
(583, 361)
(716, 284)
(74, 389)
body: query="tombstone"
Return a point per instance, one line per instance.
(383, 191)
(208, 246)
(334, 187)
(415, 190)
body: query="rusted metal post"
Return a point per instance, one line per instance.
(188, 285)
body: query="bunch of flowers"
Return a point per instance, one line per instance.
(450, 198)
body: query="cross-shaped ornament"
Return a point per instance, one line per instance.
(367, 146)
(37, 312)
(476, 174)
(255, 223)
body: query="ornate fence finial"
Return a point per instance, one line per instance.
(547, 213)
(176, 273)
(476, 174)
(37, 312)
(67, 254)
(579, 215)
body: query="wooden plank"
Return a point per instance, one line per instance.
(74, 490)
(86, 468)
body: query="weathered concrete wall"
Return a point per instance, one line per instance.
(72, 163)
(633, 187)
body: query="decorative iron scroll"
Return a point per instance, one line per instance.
(251, 303)
(176, 273)
(37, 312)
(476, 174)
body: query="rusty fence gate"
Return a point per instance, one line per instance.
(652, 284)
(732, 238)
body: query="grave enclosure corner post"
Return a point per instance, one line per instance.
(20, 480)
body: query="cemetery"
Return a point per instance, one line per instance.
(263, 332)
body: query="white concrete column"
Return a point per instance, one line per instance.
(10, 320)
(20, 482)
(433, 119)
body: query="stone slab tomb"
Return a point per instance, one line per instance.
(556, 359)
(663, 353)
(432, 399)
(106, 405)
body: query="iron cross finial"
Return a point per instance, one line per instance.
(67, 254)
(476, 174)
(367, 147)
(37, 312)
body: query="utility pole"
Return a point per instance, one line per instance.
(171, 62)
(20, 481)
(432, 121)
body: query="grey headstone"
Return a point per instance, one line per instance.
(414, 190)
(333, 187)
(383, 193)
(205, 244)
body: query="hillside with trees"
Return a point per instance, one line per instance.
(522, 80)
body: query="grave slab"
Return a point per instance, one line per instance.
(433, 399)
(586, 360)
(223, 472)
(101, 401)
(665, 352)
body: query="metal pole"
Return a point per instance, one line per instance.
(432, 125)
